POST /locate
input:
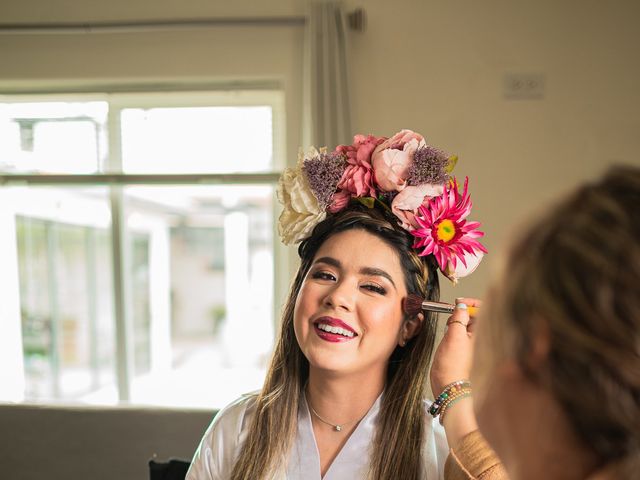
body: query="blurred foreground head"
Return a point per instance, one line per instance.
(565, 314)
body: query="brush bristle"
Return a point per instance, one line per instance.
(412, 304)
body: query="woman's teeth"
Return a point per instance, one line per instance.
(338, 330)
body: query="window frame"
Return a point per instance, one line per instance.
(116, 180)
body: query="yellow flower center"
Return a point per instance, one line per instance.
(446, 230)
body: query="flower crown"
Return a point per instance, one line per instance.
(402, 173)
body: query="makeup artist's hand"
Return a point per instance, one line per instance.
(452, 362)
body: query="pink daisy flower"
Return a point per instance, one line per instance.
(443, 231)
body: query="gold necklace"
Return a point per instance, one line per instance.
(337, 428)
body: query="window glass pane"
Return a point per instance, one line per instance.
(37, 335)
(53, 137)
(141, 314)
(65, 289)
(209, 283)
(197, 139)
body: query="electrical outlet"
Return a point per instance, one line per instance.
(525, 86)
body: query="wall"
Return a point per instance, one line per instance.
(438, 67)
(435, 67)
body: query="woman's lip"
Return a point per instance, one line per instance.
(335, 322)
(331, 337)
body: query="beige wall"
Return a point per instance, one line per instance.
(435, 67)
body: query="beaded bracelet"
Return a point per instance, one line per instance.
(452, 396)
(448, 390)
(451, 400)
(434, 410)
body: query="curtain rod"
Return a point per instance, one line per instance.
(146, 25)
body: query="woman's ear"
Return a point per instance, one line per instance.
(410, 328)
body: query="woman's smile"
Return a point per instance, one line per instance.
(334, 330)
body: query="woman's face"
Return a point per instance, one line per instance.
(348, 314)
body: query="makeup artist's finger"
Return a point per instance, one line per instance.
(469, 301)
(458, 319)
(473, 322)
(476, 302)
(473, 305)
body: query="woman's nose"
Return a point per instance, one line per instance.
(342, 295)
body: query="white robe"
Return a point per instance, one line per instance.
(221, 444)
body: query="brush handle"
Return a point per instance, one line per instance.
(441, 307)
(473, 311)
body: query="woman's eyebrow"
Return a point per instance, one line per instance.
(377, 272)
(334, 262)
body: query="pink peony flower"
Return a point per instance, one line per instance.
(358, 177)
(443, 232)
(392, 158)
(339, 201)
(406, 203)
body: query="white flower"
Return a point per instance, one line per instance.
(301, 211)
(461, 270)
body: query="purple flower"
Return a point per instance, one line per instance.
(324, 171)
(429, 166)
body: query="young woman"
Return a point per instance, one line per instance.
(344, 396)
(560, 340)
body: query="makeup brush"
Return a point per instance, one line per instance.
(413, 304)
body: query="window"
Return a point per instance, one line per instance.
(140, 268)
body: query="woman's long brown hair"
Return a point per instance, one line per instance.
(397, 449)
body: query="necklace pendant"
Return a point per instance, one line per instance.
(338, 428)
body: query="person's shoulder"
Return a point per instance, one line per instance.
(229, 423)
(243, 402)
(219, 446)
(236, 413)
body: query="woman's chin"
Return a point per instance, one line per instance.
(330, 363)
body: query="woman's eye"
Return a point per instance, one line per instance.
(375, 288)
(322, 275)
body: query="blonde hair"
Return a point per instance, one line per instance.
(396, 450)
(575, 272)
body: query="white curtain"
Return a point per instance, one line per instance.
(328, 120)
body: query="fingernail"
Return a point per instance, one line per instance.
(461, 306)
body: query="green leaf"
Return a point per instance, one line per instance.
(453, 159)
(366, 201)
